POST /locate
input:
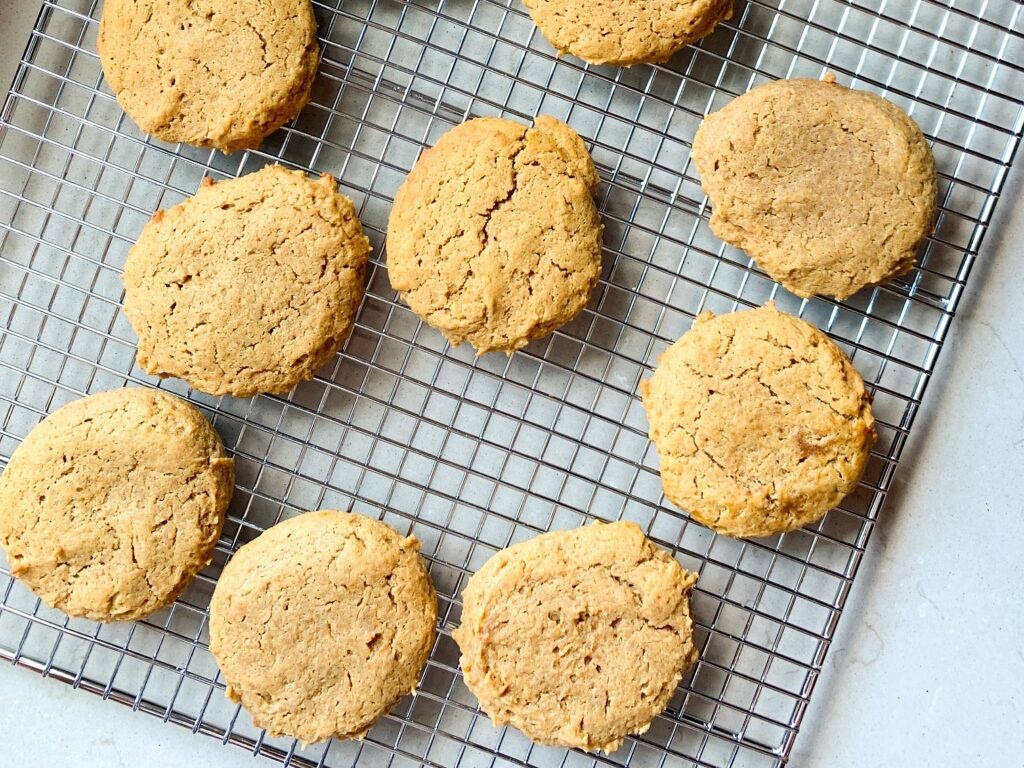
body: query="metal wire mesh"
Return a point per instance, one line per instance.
(473, 454)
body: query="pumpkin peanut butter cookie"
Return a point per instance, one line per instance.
(322, 624)
(249, 286)
(614, 32)
(494, 237)
(578, 638)
(218, 74)
(114, 502)
(827, 188)
(761, 423)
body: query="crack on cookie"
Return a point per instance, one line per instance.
(488, 217)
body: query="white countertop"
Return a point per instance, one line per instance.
(927, 667)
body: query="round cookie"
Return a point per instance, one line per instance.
(614, 32)
(827, 188)
(249, 286)
(322, 623)
(761, 423)
(114, 502)
(214, 74)
(494, 237)
(578, 638)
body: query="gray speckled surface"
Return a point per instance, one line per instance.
(927, 667)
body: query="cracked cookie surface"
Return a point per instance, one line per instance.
(213, 73)
(322, 623)
(578, 638)
(828, 189)
(614, 32)
(494, 238)
(249, 286)
(761, 423)
(114, 502)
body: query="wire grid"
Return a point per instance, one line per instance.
(469, 454)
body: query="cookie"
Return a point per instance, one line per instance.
(614, 32)
(322, 623)
(114, 502)
(494, 238)
(248, 287)
(761, 423)
(578, 638)
(827, 188)
(220, 75)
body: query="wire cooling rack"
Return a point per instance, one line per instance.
(473, 454)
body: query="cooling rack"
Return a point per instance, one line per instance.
(469, 454)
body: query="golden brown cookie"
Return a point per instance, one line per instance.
(494, 237)
(114, 502)
(578, 638)
(827, 188)
(626, 33)
(322, 624)
(215, 74)
(249, 286)
(761, 423)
